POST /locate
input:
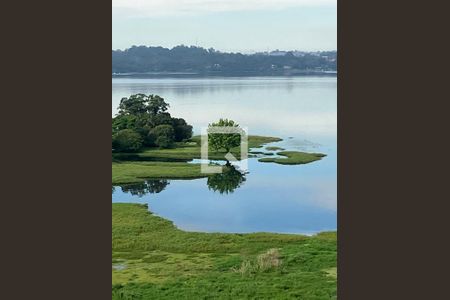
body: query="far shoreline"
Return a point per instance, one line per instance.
(224, 74)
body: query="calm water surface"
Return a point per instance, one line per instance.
(270, 197)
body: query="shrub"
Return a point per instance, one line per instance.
(264, 262)
(183, 131)
(127, 140)
(246, 268)
(269, 260)
(162, 136)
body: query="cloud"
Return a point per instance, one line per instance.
(189, 7)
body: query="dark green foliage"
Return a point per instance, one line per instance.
(123, 122)
(162, 135)
(127, 140)
(183, 131)
(140, 104)
(156, 105)
(141, 59)
(143, 114)
(134, 105)
(159, 119)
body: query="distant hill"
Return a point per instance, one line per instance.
(197, 60)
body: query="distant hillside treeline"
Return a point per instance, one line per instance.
(142, 59)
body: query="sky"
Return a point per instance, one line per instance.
(227, 25)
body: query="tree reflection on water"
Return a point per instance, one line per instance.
(141, 189)
(226, 182)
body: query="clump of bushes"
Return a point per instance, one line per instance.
(162, 136)
(143, 120)
(264, 262)
(127, 140)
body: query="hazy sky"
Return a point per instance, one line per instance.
(226, 25)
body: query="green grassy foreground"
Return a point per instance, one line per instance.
(293, 158)
(152, 259)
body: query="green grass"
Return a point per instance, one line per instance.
(261, 152)
(256, 141)
(126, 171)
(191, 149)
(133, 172)
(293, 158)
(155, 260)
(274, 148)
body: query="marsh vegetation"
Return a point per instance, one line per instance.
(152, 259)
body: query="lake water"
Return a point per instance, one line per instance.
(270, 197)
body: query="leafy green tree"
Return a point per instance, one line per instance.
(162, 136)
(144, 115)
(140, 104)
(183, 131)
(127, 140)
(154, 120)
(156, 104)
(227, 141)
(122, 122)
(134, 105)
(136, 123)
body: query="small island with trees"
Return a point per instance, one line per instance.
(147, 142)
(143, 121)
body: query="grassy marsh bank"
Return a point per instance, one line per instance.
(274, 148)
(173, 163)
(133, 172)
(152, 259)
(192, 150)
(293, 158)
(127, 170)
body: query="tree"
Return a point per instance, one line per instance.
(162, 118)
(144, 114)
(162, 136)
(134, 105)
(188, 59)
(127, 140)
(122, 122)
(156, 104)
(183, 131)
(218, 141)
(140, 104)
